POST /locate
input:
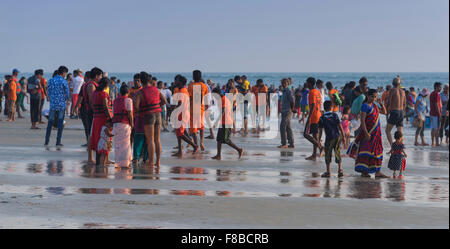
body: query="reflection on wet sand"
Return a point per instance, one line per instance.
(230, 175)
(290, 182)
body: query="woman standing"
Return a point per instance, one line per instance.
(123, 122)
(102, 113)
(420, 110)
(367, 148)
(148, 104)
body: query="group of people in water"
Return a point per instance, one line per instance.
(129, 117)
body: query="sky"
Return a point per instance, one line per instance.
(226, 36)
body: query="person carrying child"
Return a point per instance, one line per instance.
(397, 161)
(224, 132)
(330, 122)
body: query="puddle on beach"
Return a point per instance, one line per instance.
(254, 182)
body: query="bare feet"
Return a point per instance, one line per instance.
(241, 152)
(217, 157)
(282, 147)
(365, 174)
(202, 147)
(178, 154)
(381, 175)
(425, 144)
(311, 158)
(195, 150)
(291, 146)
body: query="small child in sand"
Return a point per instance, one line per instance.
(345, 123)
(224, 133)
(105, 143)
(330, 122)
(398, 155)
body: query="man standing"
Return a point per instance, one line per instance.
(197, 91)
(444, 118)
(312, 123)
(113, 88)
(260, 105)
(396, 103)
(58, 93)
(287, 107)
(34, 89)
(435, 113)
(19, 94)
(243, 90)
(321, 89)
(77, 82)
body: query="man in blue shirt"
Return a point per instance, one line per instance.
(58, 93)
(287, 107)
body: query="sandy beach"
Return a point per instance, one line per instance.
(268, 188)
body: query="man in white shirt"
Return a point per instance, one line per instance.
(77, 82)
(321, 89)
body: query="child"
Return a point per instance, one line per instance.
(224, 133)
(345, 123)
(334, 133)
(105, 143)
(398, 155)
(180, 82)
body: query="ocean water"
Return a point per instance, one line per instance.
(417, 80)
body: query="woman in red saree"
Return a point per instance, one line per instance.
(102, 113)
(367, 149)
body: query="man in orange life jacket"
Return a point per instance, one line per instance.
(197, 91)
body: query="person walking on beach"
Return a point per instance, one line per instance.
(101, 108)
(95, 75)
(43, 98)
(444, 118)
(367, 148)
(80, 109)
(435, 113)
(260, 105)
(197, 101)
(287, 109)
(243, 90)
(224, 132)
(334, 134)
(420, 110)
(34, 89)
(397, 161)
(10, 89)
(304, 103)
(18, 94)
(148, 105)
(22, 95)
(311, 132)
(58, 93)
(182, 99)
(397, 104)
(123, 121)
(77, 82)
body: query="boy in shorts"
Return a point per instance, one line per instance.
(224, 132)
(180, 83)
(330, 122)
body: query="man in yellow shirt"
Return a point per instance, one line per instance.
(246, 84)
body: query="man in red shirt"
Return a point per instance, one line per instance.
(435, 113)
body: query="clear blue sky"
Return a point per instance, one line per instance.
(226, 36)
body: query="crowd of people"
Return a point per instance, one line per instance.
(128, 116)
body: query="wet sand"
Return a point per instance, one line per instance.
(268, 188)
